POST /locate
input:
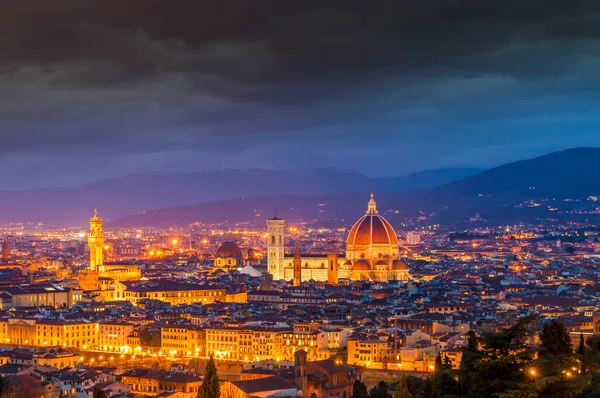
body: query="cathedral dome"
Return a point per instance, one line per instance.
(361, 265)
(399, 265)
(229, 249)
(372, 229)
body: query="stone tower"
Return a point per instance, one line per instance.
(332, 268)
(5, 250)
(300, 374)
(297, 266)
(96, 243)
(275, 247)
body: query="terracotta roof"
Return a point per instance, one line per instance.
(263, 384)
(229, 249)
(372, 229)
(361, 265)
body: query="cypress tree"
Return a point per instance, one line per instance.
(359, 390)
(402, 388)
(210, 384)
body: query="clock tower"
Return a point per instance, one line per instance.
(96, 243)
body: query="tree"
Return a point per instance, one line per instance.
(443, 379)
(98, 393)
(210, 385)
(505, 365)
(555, 339)
(359, 390)
(415, 385)
(150, 338)
(380, 391)
(438, 362)
(496, 364)
(428, 389)
(402, 388)
(22, 387)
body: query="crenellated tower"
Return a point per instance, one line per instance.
(96, 243)
(275, 247)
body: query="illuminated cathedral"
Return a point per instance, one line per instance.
(372, 254)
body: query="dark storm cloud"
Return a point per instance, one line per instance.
(101, 87)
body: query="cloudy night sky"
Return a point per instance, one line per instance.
(91, 89)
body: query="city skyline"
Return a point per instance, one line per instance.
(90, 94)
(304, 199)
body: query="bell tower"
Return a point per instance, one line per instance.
(297, 266)
(96, 243)
(5, 250)
(332, 268)
(275, 247)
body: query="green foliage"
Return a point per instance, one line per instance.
(444, 380)
(415, 385)
(359, 390)
(210, 385)
(380, 391)
(98, 393)
(22, 387)
(150, 338)
(555, 339)
(402, 388)
(428, 389)
(504, 365)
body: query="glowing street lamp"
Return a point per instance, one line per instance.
(532, 372)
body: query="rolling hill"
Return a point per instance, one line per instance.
(497, 194)
(119, 197)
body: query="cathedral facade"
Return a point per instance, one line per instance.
(372, 253)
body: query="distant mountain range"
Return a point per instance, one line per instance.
(120, 197)
(497, 194)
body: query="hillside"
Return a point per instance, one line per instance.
(498, 195)
(119, 197)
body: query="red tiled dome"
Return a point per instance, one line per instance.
(361, 265)
(229, 250)
(372, 229)
(399, 265)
